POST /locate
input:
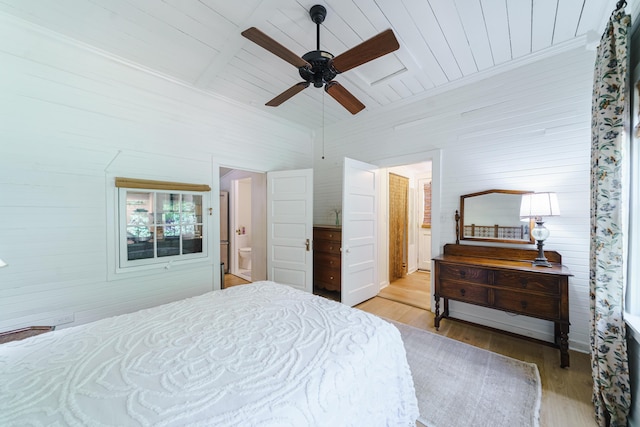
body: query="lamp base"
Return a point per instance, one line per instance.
(541, 260)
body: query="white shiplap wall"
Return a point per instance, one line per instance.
(527, 128)
(72, 119)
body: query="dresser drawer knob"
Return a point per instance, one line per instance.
(524, 282)
(524, 304)
(463, 273)
(331, 277)
(462, 292)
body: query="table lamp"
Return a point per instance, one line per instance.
(536, 206)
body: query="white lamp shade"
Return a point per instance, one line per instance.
(539, 204)
(3, 264)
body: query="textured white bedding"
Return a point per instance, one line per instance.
(255, 355)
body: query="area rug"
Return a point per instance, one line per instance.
(459, 385)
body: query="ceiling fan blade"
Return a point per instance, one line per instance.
(293, 90)
(263, 40)
(344, 97)
(375, 47)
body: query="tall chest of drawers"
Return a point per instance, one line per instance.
(504, 279)
(327, 256)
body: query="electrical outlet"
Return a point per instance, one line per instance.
(62, 319)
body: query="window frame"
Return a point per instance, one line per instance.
(125, 185)
(632, 294)
(632, 297)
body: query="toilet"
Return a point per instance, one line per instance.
(245, 258)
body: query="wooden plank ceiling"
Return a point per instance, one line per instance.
(443, 43)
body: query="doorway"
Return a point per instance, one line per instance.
(269, 236)
(409, 234)
(241, 230)
(246, 226)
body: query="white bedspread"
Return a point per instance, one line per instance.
(255, 355)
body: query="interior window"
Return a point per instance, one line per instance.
(156, 226)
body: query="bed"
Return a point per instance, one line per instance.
(262, 354)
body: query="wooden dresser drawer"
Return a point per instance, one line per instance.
(532, 305)
(529, 282)
(327, 278)
(326, 246)
(463, 272)
(324, 260)
(327, 234)
(464, 292)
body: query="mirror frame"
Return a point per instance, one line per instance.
(488, 239)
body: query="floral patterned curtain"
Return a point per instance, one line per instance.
(609, 360)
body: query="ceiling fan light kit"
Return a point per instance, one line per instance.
(319, 67)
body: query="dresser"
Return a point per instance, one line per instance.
(327, 241)
(504, 279)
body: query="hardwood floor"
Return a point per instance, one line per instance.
(413, 289)
(566, 393)
(233, 280)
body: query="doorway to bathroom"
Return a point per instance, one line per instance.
(286, 267)
(246, 251)
(241, 228)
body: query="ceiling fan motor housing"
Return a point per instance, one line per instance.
(318, 13)
(321, 70)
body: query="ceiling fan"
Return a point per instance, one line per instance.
(319, 67)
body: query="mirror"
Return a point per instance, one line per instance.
(494, 215)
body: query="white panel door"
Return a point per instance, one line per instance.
(424, 234)
(290, 228)
(359, 232)
(424, 252)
